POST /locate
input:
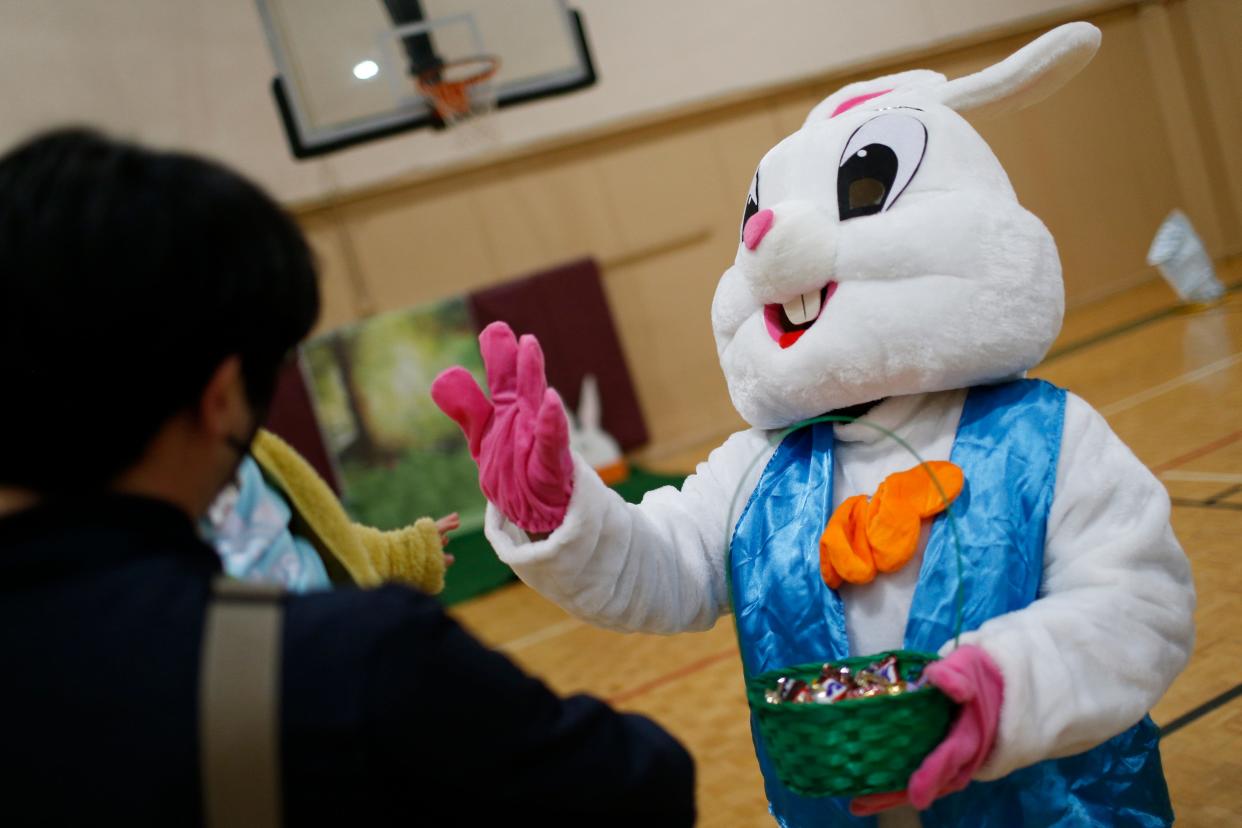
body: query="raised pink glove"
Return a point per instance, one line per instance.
(969, 677)
(520, 437)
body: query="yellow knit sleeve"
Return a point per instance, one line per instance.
(412, 555)
(318, 513)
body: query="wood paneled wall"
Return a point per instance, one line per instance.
(1152, 124)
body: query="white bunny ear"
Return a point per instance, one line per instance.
(1027, 76)
(855, 93)
(588, 405)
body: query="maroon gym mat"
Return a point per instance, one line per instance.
(566, 308)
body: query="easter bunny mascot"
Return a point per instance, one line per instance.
(886, 266)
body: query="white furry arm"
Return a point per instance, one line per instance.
(1113, 624)
(654, 567)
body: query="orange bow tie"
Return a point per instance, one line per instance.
(881, 534)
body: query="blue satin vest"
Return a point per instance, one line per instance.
(1007, 444)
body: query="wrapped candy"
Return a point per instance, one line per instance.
(789, 690)
(836, 682)
(887, 670)
(829, 691)
(841, 674)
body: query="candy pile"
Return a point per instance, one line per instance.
(882, 678)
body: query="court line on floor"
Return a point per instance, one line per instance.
(1134, 400)
(1187, 503)
(1201, 477)
(541, 635)
(676, 675)
(1110, 333)
(1128, 327)
(1196, 453)
(1225, 494)
(1201, 711)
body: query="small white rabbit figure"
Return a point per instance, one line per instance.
(885, 265)
(588, 439)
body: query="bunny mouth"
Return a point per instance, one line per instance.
(787, 322)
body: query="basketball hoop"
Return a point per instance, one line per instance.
(461, 89)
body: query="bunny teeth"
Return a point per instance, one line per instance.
(803, 309)
(788, 321)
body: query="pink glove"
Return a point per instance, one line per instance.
(519, 438)
(969, 677)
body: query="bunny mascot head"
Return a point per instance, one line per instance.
(883, 251)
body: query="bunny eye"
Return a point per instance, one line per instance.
(752, 201)
(878, 162)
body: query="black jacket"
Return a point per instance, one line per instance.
(391, 712)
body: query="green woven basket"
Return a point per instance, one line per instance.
(855, 746)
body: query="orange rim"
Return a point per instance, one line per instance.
(452, 97)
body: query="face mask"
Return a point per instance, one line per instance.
(210, 524)
(228, 494)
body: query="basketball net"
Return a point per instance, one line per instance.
(462, 94)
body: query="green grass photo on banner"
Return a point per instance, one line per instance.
(398, 457)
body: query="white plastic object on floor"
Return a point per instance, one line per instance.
(1182, 259)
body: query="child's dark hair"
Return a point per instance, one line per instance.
(127, 276)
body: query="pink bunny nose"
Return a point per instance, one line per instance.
(756, 228)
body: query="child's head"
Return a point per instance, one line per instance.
(127, 278)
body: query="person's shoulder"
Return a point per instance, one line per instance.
(351, 617)
(378, 605)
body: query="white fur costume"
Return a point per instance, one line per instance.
(1117, 594)
(951, 284)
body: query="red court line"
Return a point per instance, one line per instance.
(669, 678)
(1199, 452)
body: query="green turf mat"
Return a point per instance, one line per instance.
(477, 569)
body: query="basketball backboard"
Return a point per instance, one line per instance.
(348, 70)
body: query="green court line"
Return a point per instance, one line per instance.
(1227, 493)
(1124, 328)
(1201, 711)
(1205, 504)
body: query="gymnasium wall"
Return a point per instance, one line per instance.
(195, 74)
(1153, 123)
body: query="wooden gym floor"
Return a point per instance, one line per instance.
(1170, 383)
